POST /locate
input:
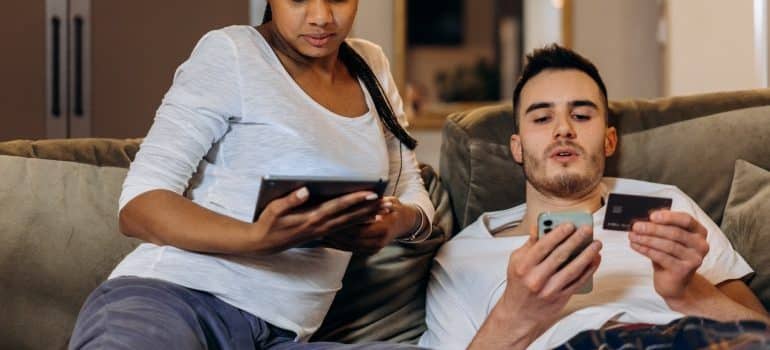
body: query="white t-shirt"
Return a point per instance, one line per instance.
(232, 115)
(469, 275)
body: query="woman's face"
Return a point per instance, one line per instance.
(315, 28)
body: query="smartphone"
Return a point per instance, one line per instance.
(548, 221)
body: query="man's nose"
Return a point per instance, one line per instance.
(319, 13)
(563, 127)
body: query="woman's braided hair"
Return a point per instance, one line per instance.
(360, 69)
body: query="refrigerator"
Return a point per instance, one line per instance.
(97, 68)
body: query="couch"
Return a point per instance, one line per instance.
(58, 210)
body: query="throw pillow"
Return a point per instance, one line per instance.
(746, 223)
(58, 240)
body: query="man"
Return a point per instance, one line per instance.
(677, 264)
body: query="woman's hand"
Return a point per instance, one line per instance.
(281, 226)
(393, 220)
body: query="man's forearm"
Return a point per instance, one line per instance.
(706, 300)
(502, 330)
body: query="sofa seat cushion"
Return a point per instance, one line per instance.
(58, 240)
(747, 223)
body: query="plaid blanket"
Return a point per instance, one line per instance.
(683, 333)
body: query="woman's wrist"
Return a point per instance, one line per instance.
(420, 229)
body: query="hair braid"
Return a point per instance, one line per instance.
(360, 69)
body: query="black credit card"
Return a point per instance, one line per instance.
(623, 210)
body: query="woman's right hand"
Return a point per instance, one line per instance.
(281, 225)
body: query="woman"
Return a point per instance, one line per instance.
(291, 97)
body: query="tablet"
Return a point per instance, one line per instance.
(321, 188)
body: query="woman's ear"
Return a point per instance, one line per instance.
(516, 148)
(610, 141)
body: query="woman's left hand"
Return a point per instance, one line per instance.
(394, 220)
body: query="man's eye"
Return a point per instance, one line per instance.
(581, 117)
(541, 120)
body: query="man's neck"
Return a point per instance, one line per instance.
(538, 202)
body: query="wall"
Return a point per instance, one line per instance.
(620, 37)
(375, 22)
(424, 62)
(711, 46)
(256, 11)
(542, 23)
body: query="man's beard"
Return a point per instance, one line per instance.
(564, 185)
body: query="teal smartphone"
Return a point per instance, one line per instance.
(548, 221)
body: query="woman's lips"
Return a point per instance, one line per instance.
(318, 40)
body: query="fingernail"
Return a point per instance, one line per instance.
(378, 218)
(371, 196)
(303, 193)
(656, 216)
(387, 205)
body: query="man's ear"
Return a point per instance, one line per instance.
(610, 141)
(516, 148)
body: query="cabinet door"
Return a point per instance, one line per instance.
(22, 70)
(135, 48)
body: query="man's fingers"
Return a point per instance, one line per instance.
(679, 219)
(665, 261)
(545, 245)
(587, 274)
(562, 253)
(670, 247)
(672, 233)
(574, 271)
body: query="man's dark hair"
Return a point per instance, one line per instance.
(553, 57)
(358, 68)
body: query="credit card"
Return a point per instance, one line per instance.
(623, 210)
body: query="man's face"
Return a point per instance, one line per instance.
(563, 135)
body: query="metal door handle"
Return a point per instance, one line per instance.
(56, 67)
(78, 74)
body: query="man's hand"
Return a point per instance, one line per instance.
(537, 288)
(676, 244)
(393, 220)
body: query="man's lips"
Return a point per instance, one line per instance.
(564, 154)
(318, 40)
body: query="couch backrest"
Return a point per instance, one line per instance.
(691, 142)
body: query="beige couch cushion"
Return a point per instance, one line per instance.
(747, 222)
(58, 241)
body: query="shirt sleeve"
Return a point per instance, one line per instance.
(194, 114)
(405, 178)
(722, 263)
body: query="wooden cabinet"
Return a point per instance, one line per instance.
(87, 68)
